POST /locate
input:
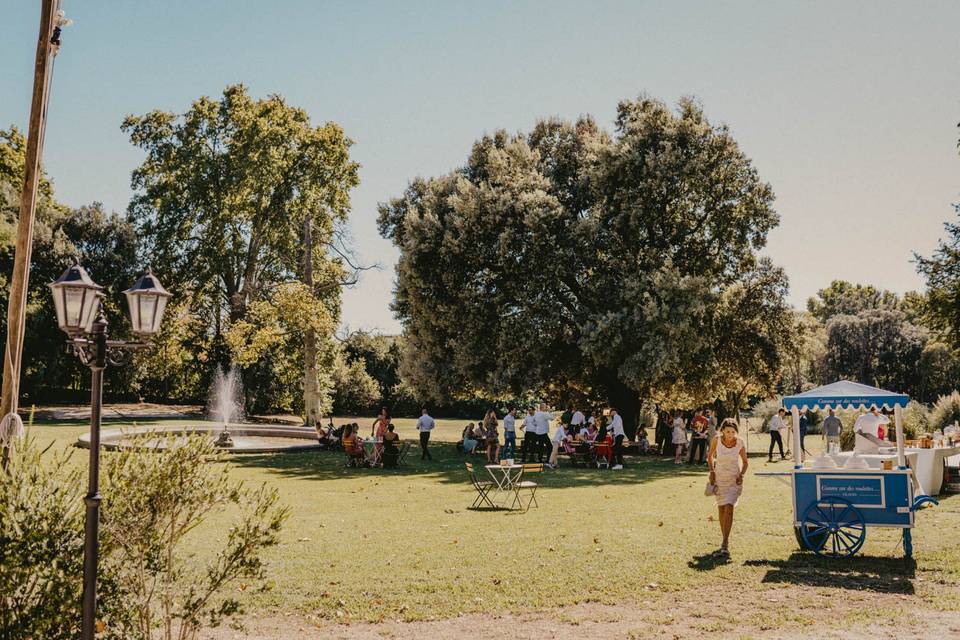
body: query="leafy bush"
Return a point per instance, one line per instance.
(765, 410)
(152, 501)
(847, 438)
(946, 411)
(41, 549)
(916, 420)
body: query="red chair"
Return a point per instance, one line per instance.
(603, 452)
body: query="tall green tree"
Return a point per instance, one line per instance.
(942, 273)
(572, 256)
(878, 348)
(222, 198)
(847, 298)
(106, 245)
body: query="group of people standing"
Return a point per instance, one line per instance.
(571, 427)
(692, 438)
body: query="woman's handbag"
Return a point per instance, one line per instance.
(710, 489)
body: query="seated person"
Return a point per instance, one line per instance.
(470, 439)
(591, 432)
(352, 444)
(321, 433)
(603, 444)
(643, 443)
(391, 453)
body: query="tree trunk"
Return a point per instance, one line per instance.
(311, 392)
(625, 400)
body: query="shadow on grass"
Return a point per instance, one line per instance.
(709, 561)
(859, 573)
(448, 466)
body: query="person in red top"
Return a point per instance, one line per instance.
(698, 440)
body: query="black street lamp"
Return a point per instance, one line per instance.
(77, 300)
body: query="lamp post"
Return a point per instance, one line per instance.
(77, 301)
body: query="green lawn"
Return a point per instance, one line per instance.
(370, 544)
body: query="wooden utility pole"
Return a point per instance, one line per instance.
(47, 45)
(311, 391)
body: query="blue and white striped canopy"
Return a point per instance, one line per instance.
(845, 394)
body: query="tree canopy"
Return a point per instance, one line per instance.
(221, 200)
(942, 273)
(104, 242)
(847, 298)
(617, 263)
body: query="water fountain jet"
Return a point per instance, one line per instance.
(224, 424)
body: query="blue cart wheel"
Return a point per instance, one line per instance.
(833, 528)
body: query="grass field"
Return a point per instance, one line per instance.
(373, 544)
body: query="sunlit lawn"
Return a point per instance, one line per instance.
(373, 544)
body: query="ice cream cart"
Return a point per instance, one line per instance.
(832, 507)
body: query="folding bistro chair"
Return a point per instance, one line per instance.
(526, 485)
(404, 450)
(483, 488)
(355, 457)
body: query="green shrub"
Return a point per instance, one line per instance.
(847, 438)
(946, 411)
(41, 549)
(152, 501)
(916, 420)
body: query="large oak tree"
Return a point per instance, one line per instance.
(621, 264)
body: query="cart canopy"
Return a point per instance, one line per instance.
(845, 394)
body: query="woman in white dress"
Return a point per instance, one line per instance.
(679, 438)
(728, 464)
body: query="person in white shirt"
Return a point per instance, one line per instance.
(531, 442)
(557, 441)
(425, 425)
(867, 430)
(509, 435)
(776, 427)
(542, 420)
(616, 428)
(579, 420)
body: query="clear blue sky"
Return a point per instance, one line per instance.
(849, 109)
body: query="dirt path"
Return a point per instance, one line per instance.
(717, 610)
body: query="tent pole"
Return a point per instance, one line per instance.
(797, 451)
(898, 420)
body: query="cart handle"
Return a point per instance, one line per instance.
(922, 500)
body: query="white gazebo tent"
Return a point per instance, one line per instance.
(845, 394)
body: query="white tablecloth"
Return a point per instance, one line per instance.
(929, 465)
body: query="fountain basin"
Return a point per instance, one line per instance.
(246, 438)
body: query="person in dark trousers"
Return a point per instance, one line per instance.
(509, 435)
(541, 422)
(776, 426)
(698, 439)
(663, 432)
(803, 435)
(531, 442)
(616, 427)
(425, 425)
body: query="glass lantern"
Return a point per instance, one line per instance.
(76, 300)
(147, 300)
